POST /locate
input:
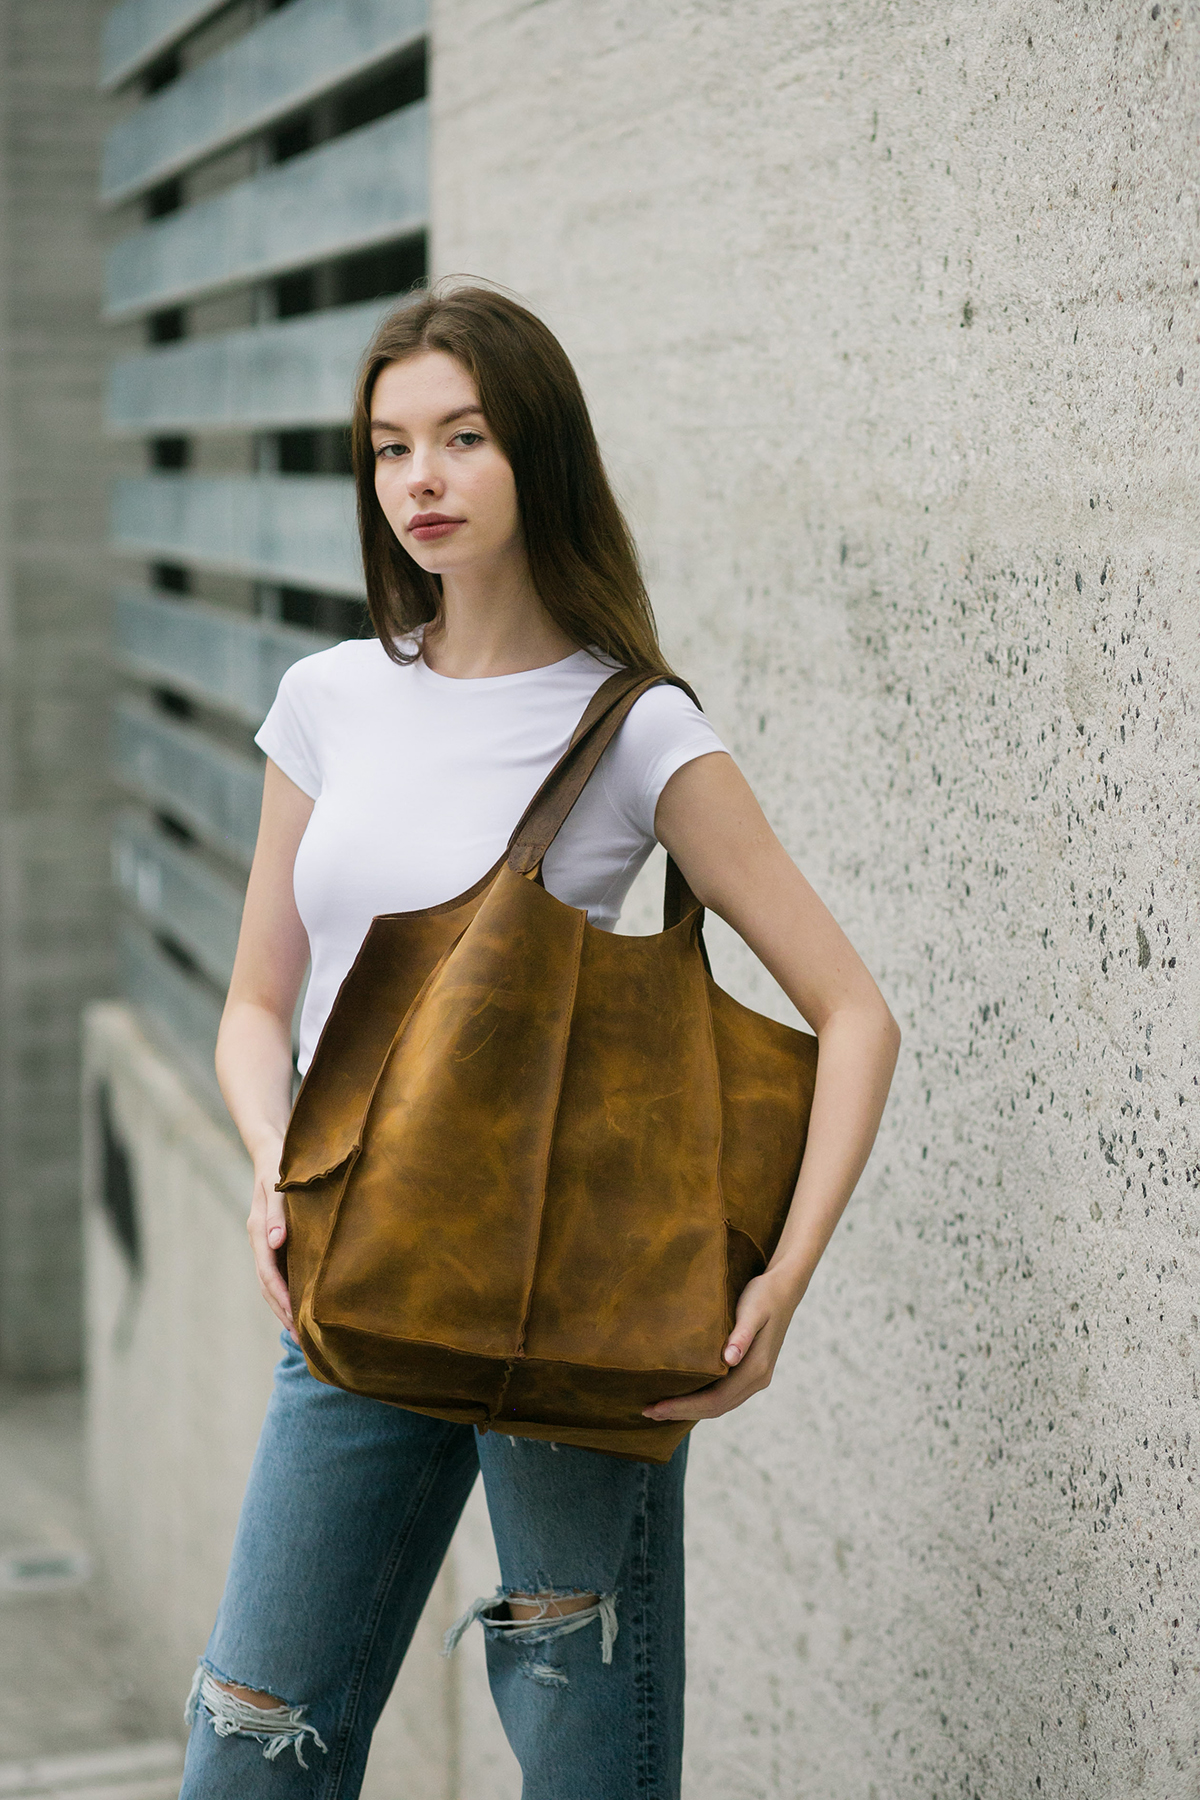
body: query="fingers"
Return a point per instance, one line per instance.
(752, 1315)
(750, 1351)
(276, 1221)
(279, 1305)
(742, 1336)
(274, 1292)
(711, 1402)
(267, 1230)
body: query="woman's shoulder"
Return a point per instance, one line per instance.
(350, 667)
(663, 729)
(664, 708)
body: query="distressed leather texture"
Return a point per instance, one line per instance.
(533, 1164)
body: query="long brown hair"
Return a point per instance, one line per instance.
(581, 555)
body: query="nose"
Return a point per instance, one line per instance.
(424, 479)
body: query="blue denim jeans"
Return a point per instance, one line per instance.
(349, 1510)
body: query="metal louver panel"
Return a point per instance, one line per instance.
(294, 373)
(206, 652)
(367, 187)
(285, 61)
(183, 1005)
(137, 31)
(296, 529)
(213, 791)
(175, 891)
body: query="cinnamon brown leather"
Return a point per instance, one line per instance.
(533, 1163)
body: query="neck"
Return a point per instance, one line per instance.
(493, 624)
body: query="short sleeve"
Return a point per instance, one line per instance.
(665, 729)
(288, 733)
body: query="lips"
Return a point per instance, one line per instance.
(426, 527)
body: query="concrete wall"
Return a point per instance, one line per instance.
(178, 1372)
(889, 317)
(54, 890)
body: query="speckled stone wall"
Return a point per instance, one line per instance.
(889, 315)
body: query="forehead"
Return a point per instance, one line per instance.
(429, 384)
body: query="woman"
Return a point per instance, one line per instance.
(504, 588)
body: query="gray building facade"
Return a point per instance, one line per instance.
(55, 791)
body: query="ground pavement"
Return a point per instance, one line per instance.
(70, 1720)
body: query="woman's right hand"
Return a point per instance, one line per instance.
(267, 1227)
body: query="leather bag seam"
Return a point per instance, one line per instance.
(715, 1065)
(391, 1049)
(362, 1124)
(545, 1159)
(499, 1356)
(448, 906)
(314, 1285)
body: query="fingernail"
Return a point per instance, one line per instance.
(275, 1234)
(733, 1354)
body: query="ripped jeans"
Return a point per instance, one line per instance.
(348, 1514)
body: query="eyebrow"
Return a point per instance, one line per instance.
(462, 412)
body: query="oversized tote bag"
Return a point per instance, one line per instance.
(534, 1163)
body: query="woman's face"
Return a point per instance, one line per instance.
(445, 486)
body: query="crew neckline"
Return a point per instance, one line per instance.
(491, 681)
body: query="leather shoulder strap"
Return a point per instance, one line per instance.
(548, 810)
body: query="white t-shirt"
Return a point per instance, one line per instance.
(419, 779)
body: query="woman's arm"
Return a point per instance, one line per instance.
(254, 1044)
(712, 825)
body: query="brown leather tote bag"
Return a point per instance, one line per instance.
(534, 1163)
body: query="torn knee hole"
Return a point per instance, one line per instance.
(252, 1696)
(548, 1605)
(533, 1618)
(238, 1711)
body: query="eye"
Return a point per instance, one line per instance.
(467, 437)
(384, 452)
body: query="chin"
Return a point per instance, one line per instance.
(438, 565)
(426, 557)
(438, 559)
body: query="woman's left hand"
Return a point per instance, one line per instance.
(764, 1313)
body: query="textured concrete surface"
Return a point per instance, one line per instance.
(54, 612)
(889, 317)
(63, 1682)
